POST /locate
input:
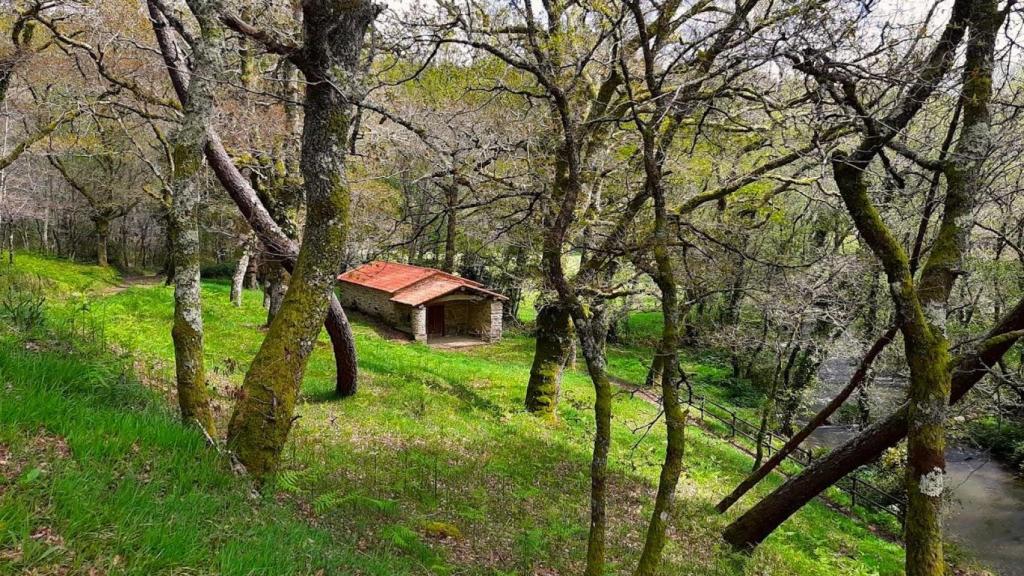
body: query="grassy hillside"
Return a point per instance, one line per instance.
(99, 477)
(62, 279)
(432, 468)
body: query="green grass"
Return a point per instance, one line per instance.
(99, 477)
(62, 278)
(433, 439)
(642, 328)
(527, 309)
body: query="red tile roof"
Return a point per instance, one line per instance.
(412, 285)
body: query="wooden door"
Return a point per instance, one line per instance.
(435, 320)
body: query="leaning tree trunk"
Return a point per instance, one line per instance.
(255, 213)
(764, 517)
(263, 416)
(187, 147)
(554, 339)
(820, 418)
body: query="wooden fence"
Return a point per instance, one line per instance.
(861, 492)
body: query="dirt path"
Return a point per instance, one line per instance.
(129, 281)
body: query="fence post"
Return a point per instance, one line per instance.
(853, 493)
(733, 431)
(702, 409)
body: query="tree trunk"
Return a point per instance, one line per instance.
(187, 147)
(263, 416)
(591, 329)
(655, 372)
(238, 278)
(732, 307)
(102, 241)
(125, 256)
(344, 347)
(770, 400)
(803, 374)
(554, 338)
(675, 415)
(269, 233)
(764, 517)
(451, 227)
(514, 290)
(926, 452)
(45, 235)
(251, 281)
(820, 418)
(277, 286)
(168, 270)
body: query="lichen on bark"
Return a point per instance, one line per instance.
(264, 414)
(187, 145)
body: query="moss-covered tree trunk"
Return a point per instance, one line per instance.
(264, 414)
(183, 218)
(927, 356)
(927, 346)
(921, 307)
(270, 235)
(591, 325)
(667, 355)
(554, 340)
(590, 322)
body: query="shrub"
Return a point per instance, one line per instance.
(1004, 438)
(220, 270)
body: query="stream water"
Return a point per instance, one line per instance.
(985, 513)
